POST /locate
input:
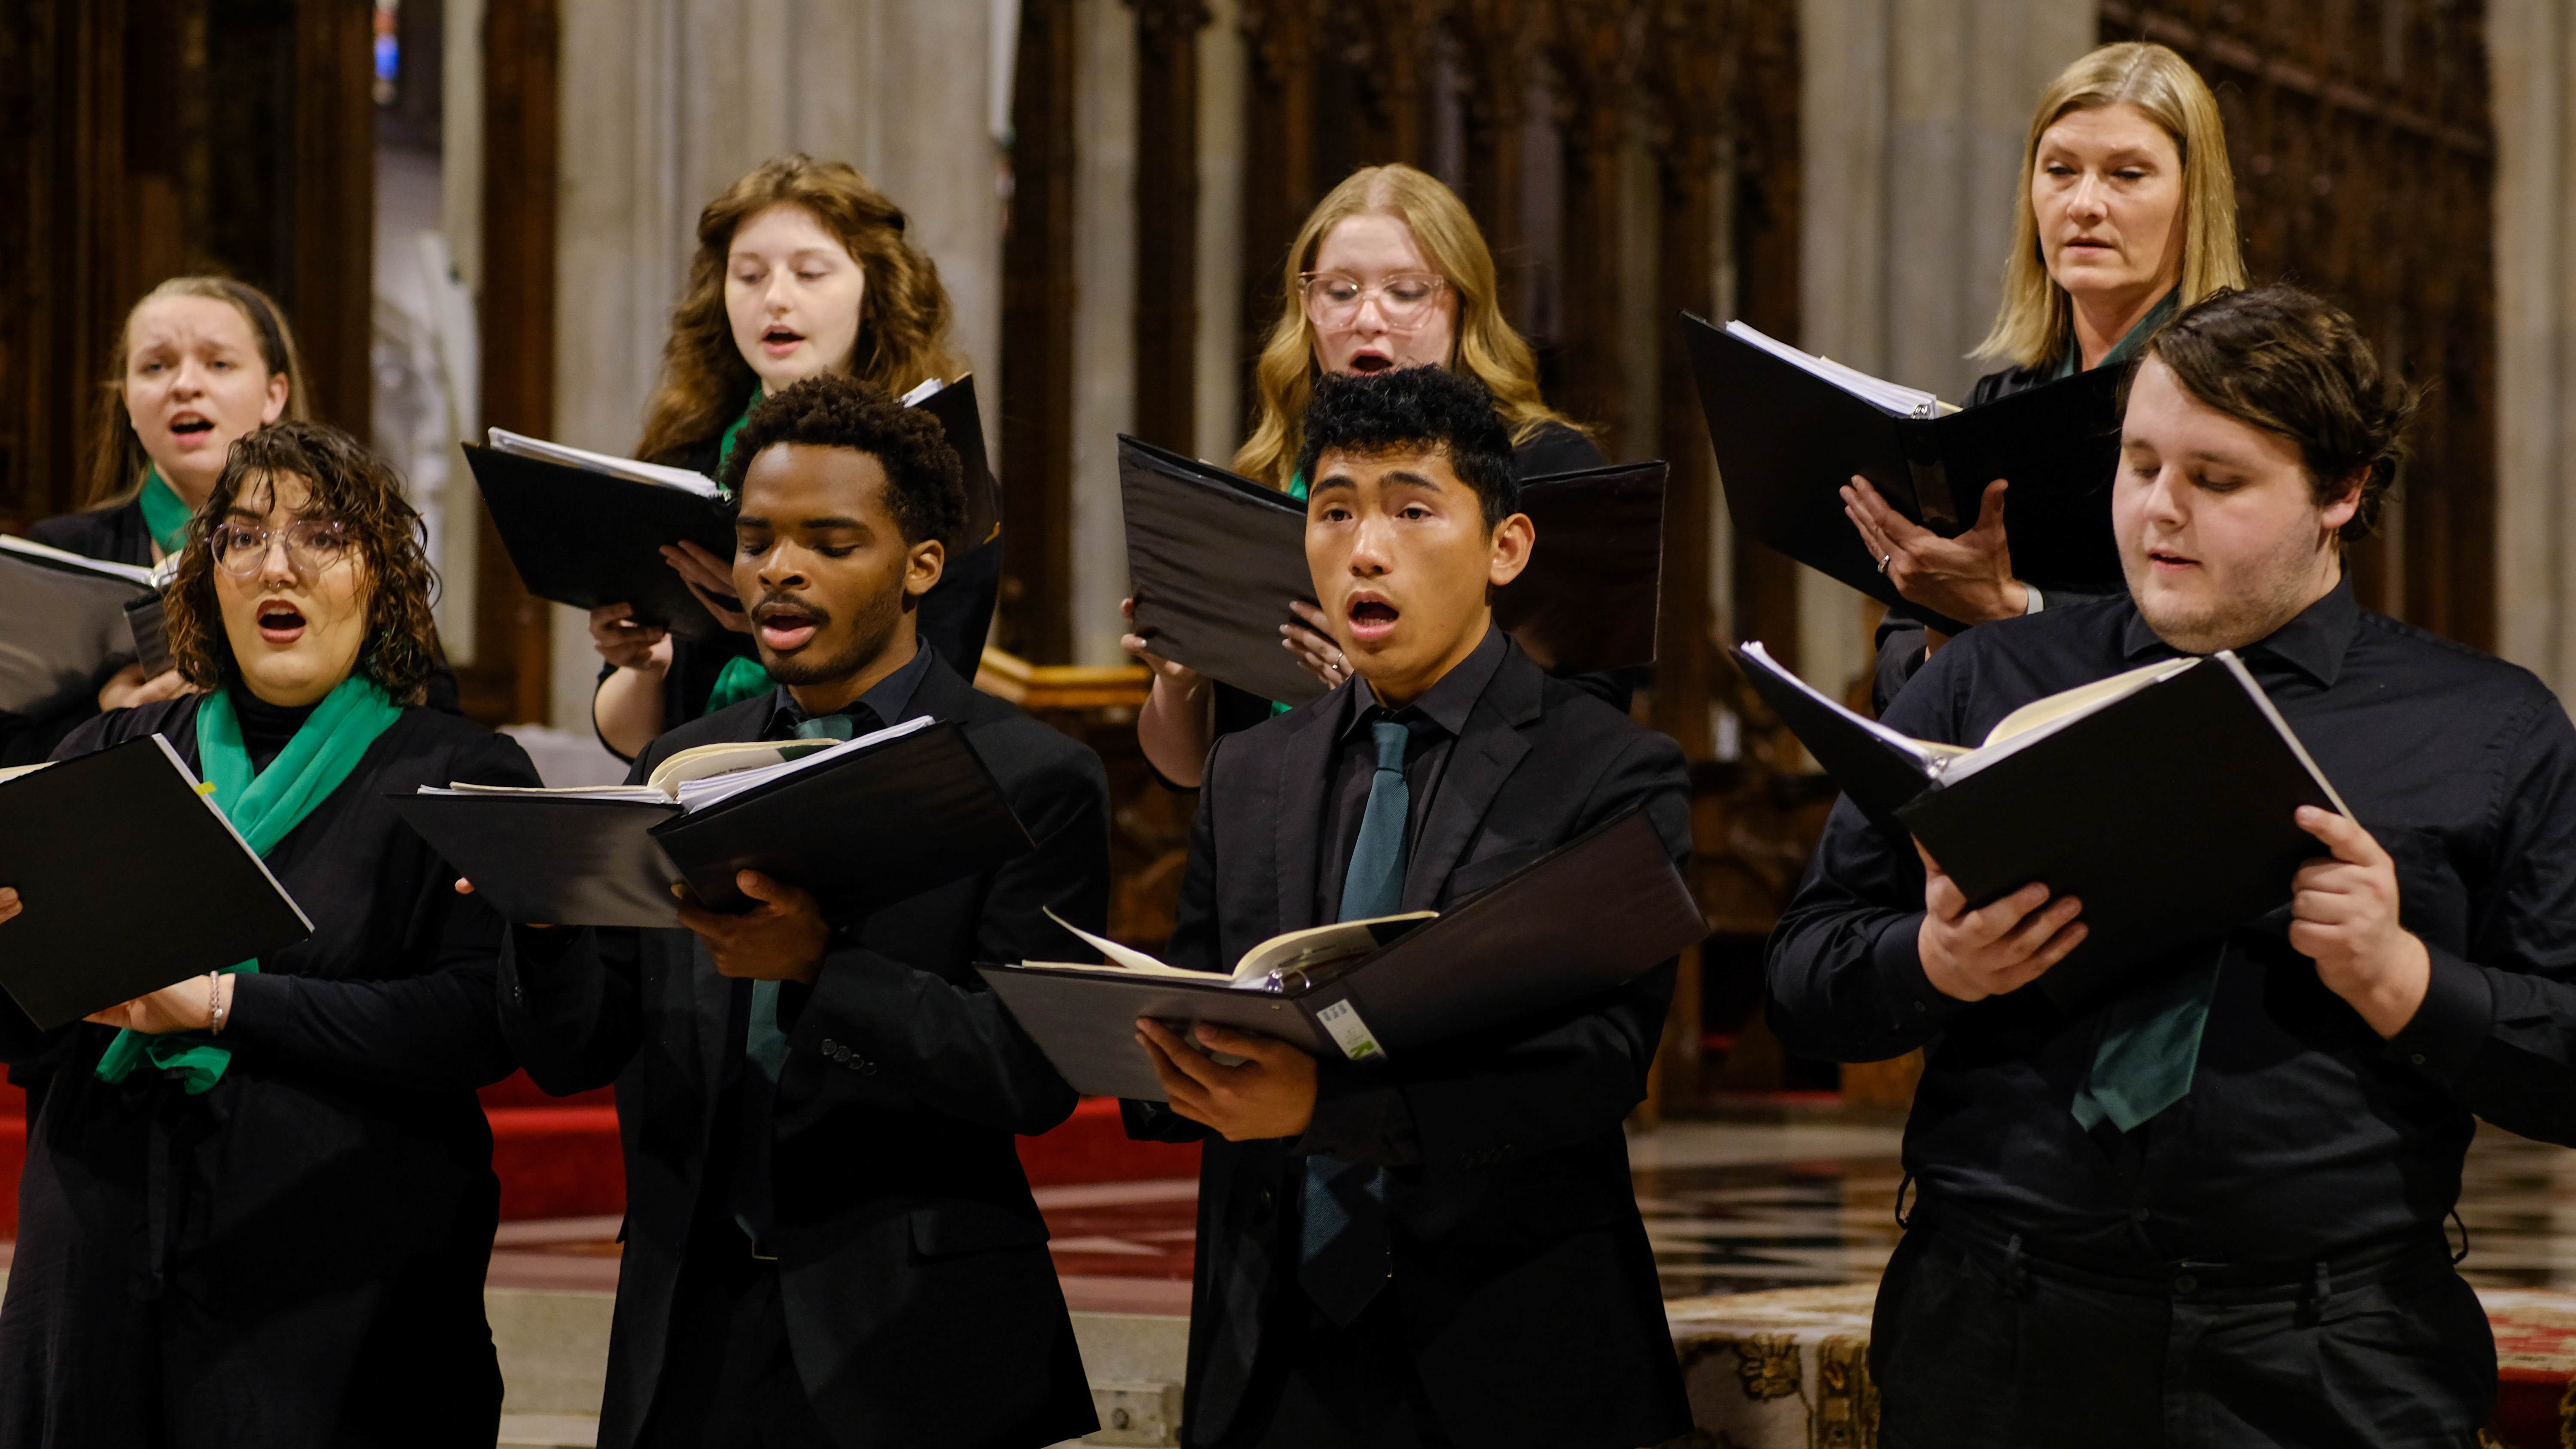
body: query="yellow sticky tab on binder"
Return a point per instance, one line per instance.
(205, 787)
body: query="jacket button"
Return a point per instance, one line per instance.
(2185, 1283)
(830, 1049)
(866, 1068)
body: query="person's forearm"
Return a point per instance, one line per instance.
(628, 710)
(1175, 728)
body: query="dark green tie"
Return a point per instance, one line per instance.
(2150, 1048)
(1345, 1258)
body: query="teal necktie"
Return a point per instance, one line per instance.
(1345, 1245)
(2150, 1048)
(764, 1051)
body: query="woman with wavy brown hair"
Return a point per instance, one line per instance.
(1389, 271)
(802, 268)
(258, 1205)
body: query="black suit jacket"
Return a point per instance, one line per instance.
(921, 1303)
(1507, 1182)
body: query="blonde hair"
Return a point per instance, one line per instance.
(903, 315)
(2034, 322)
(1486, 347)
(117, 461)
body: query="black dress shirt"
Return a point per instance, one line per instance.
(2304, 1134)
(1434, 721)
(884, 700)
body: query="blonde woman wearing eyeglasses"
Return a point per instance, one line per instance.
(1388, 272)
(2127, 214)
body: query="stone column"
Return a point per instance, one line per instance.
(1104, 389)
(2531, 60)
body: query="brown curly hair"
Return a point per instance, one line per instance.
(2294, 364)
(352, 486)
(925, 482)
(903, 316)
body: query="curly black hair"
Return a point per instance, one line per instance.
(1429, 408)
(2292, 363)
(925, 483)
(352, 486)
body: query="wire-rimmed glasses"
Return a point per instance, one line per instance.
(1406, 300)
(312, 545)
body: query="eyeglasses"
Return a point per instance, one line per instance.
(313, 545)
(1405, 300)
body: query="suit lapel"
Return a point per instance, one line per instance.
(1484, 757)
(1297, 807)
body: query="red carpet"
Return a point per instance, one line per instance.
(557, 1157)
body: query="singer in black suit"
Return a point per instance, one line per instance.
(1443, 1249)
(829, 1238)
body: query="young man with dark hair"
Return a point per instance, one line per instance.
(829, 1240)
(2210, 1210)
(1442, 1249)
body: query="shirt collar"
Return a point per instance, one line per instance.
(2314, 642)
(1449, 701)
(888, 698)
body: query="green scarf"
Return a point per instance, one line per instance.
(724, 445)
(742, 677)
(165, 513)
(264, 806)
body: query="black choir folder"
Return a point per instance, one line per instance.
(1582, 919)
(66, 621)
(131, 880)
(587, 529)
(1215, 560)
(1791, 429)
(858, 823)
(2163, 798)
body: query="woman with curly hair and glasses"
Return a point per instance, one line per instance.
(258, 1205)
(802, 268)
(1388, 272)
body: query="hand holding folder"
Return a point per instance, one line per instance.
(83, 841)
(1791, 430)
(857, 824)
(2164, 798)
(1589, 916)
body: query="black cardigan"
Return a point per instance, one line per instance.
(288, 1258)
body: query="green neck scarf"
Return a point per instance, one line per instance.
(742, 677)
(724, 445)
(165, 513)
(264, 806)
(2129, 343)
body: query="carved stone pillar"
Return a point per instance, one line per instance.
(1499, 41)
(1167, 219)
(1595, 47)
(1279, 183)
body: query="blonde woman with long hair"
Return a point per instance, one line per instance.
(1389, 271)
(803, 267)
(2127, 214)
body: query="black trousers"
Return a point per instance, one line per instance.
(1976, 1343)
(729, 1381)
(1323, 1386)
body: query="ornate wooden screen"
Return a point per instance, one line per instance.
(2365, 166)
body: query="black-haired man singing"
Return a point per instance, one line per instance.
(1443, 1249)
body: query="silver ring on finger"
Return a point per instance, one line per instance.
(1884, 560)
